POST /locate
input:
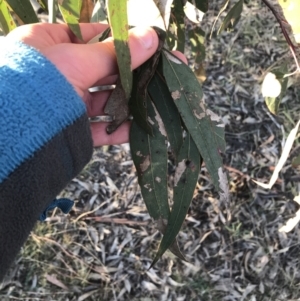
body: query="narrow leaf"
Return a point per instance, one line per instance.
(6, 21)
(150, 157)
(24, 10)
(138, 105)
(149, 154)
(232, 17)
(185, 180)
(86, 11)
(141, 79)
(203, 125)
(222, 9)
(117, 14)
(285, 154)
(70, 11)
(164, 103)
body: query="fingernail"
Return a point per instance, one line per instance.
(145, 35)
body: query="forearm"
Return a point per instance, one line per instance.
(45, 141)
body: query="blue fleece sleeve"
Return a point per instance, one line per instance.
(45, 141)
(36, 102)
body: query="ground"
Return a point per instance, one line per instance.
(102, 250)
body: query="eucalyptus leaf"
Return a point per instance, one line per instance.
(150, 157)
(6, 21)
(185, 180)
(203, 125)
(164, 103)
(149, 154)
(141, 79)
(117, 15)
(70, 11)
(232, 17)
(24, 10)
(138, 105)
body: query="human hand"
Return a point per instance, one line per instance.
(86, 65)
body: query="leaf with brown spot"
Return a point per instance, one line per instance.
(141, 79)
(149, 154)
(186, 175)
(203, 125)
(164, 103)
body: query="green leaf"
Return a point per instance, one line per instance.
(203, 125)
(24, 10)
(222, 9)
(99, 13)
(232, 17)
(117, 15)
(138, 104)
(150, 157)
(149, 154)
(141, 79)
(164, 103)
(185, 180)
(70, 11)
(6, 21)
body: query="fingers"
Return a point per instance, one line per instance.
(42, 35)
(83, 65)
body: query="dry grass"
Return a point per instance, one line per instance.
(103, 249)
